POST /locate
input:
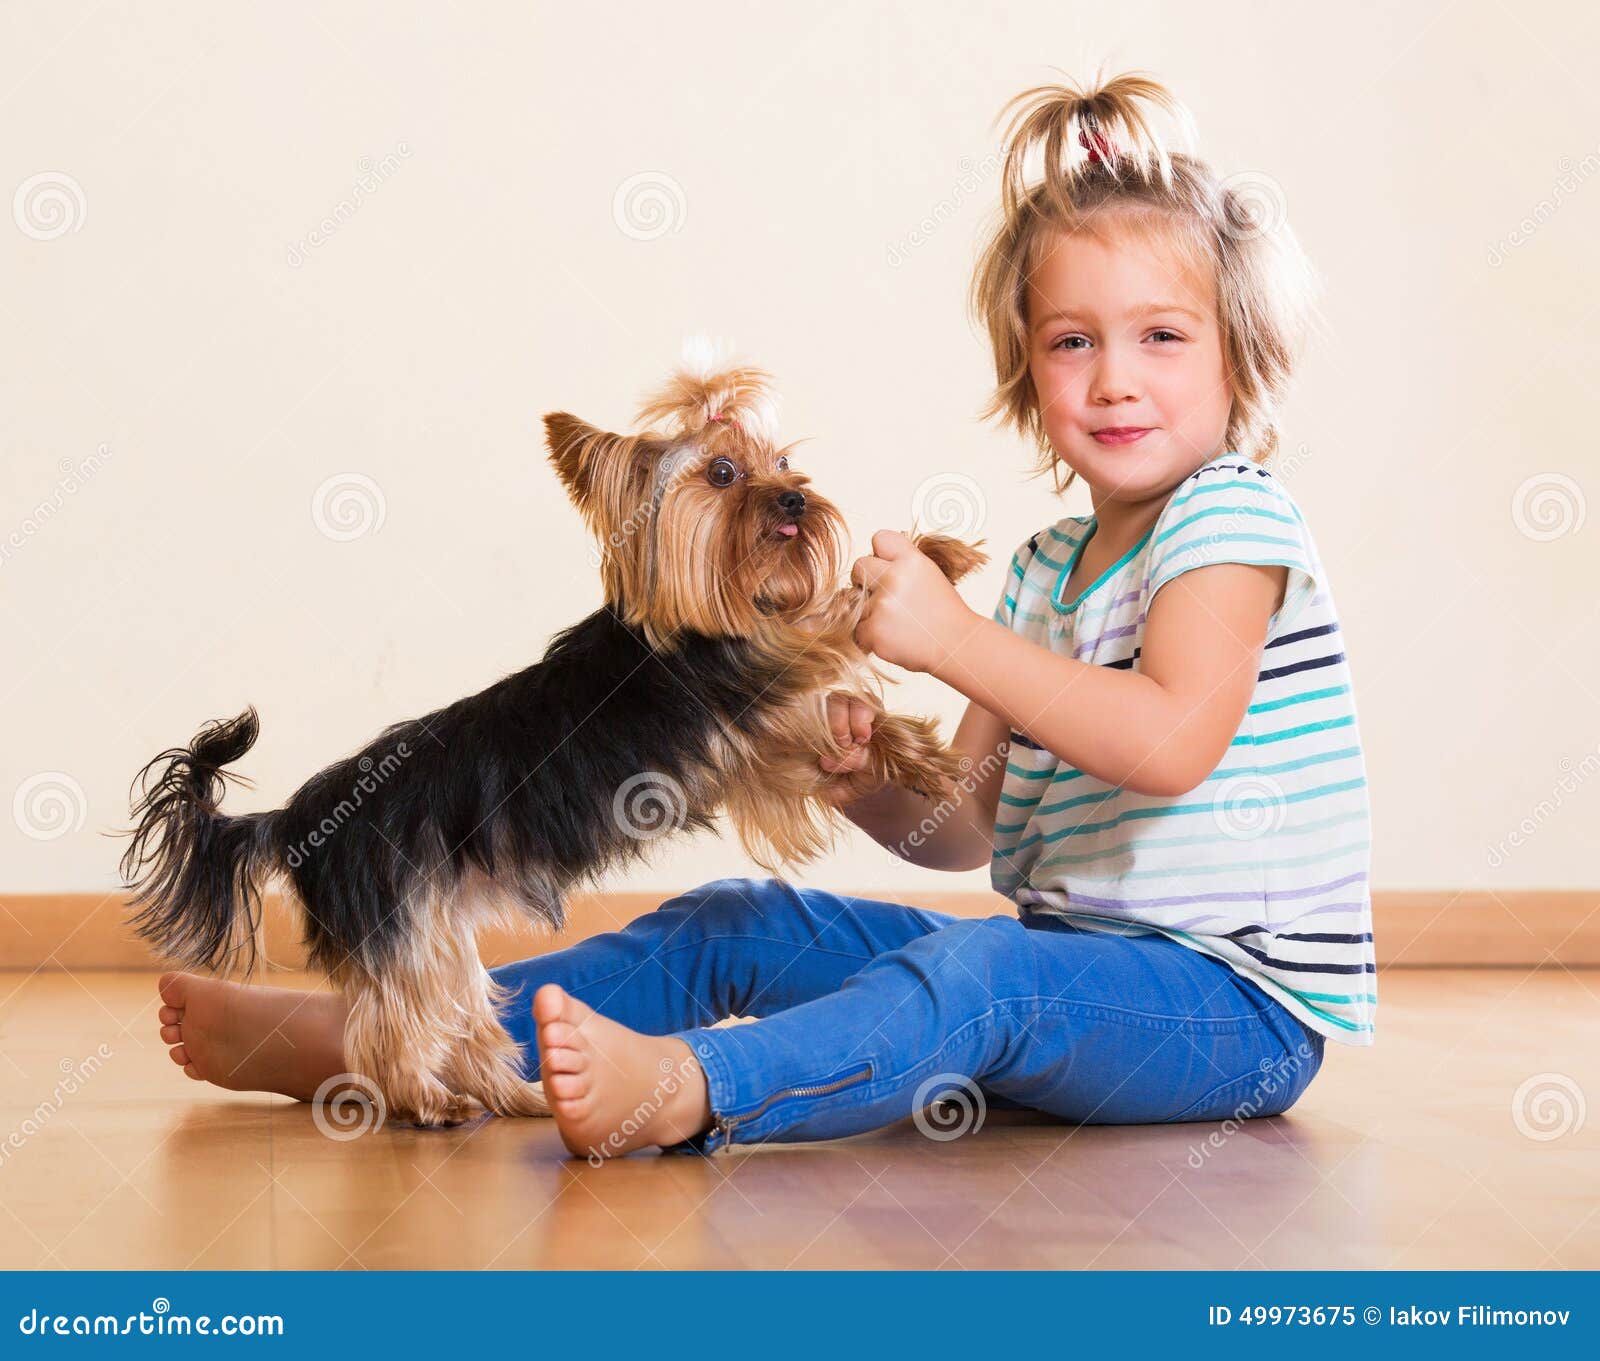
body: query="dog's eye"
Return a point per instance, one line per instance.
(721, 472)
(783, 463)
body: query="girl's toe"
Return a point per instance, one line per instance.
(565, 1086)
(548, 1002)
(565, 1061)
(555, 1034)
(179, 1055)
(171, 1034)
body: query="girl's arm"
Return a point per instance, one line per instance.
(955, 833)
(1161, 730)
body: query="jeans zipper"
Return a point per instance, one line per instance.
(726, 1124)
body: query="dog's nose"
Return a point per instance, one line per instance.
(792, 503)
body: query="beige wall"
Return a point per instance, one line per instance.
(824, 170)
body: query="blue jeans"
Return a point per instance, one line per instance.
(872, 1011)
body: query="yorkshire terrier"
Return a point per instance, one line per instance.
(699, 686)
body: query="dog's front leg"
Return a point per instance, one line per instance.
(779, 801)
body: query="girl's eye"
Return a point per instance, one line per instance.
(721, 472)
(1064, 342)
(783, 463)
(1173, 334)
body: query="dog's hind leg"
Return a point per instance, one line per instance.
(393, 1041)
(482, 1060)
(412, 1010)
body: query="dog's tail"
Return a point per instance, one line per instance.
(841, 614)
(196, 872)
(954, 557)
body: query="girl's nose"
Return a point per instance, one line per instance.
(1112, 381)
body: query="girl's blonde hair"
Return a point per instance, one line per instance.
(1107, 174)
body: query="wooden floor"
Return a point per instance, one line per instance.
(1417, 1153)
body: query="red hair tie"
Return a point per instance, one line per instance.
(1099, 149)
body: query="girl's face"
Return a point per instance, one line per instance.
(1123, 338)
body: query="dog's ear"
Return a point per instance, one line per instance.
(605, 474)
(572, 443)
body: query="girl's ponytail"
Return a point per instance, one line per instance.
(1102, 130)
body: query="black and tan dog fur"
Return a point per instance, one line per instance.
(701, 684)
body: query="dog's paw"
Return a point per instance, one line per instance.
(446, 1113)
(908, 752)
(939, 776)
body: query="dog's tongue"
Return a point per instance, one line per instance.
(789, 531)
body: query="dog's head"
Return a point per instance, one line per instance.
(704, 525)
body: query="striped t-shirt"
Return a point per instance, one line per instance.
(1265, 864)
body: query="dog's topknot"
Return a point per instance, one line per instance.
(708, 388)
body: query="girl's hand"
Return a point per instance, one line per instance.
(850, 720)
(913, 616)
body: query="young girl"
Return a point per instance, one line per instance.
(1166, 776)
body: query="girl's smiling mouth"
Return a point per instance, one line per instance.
(1121, 434)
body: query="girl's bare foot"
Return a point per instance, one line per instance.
(252, 1039)
(612, 1089)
